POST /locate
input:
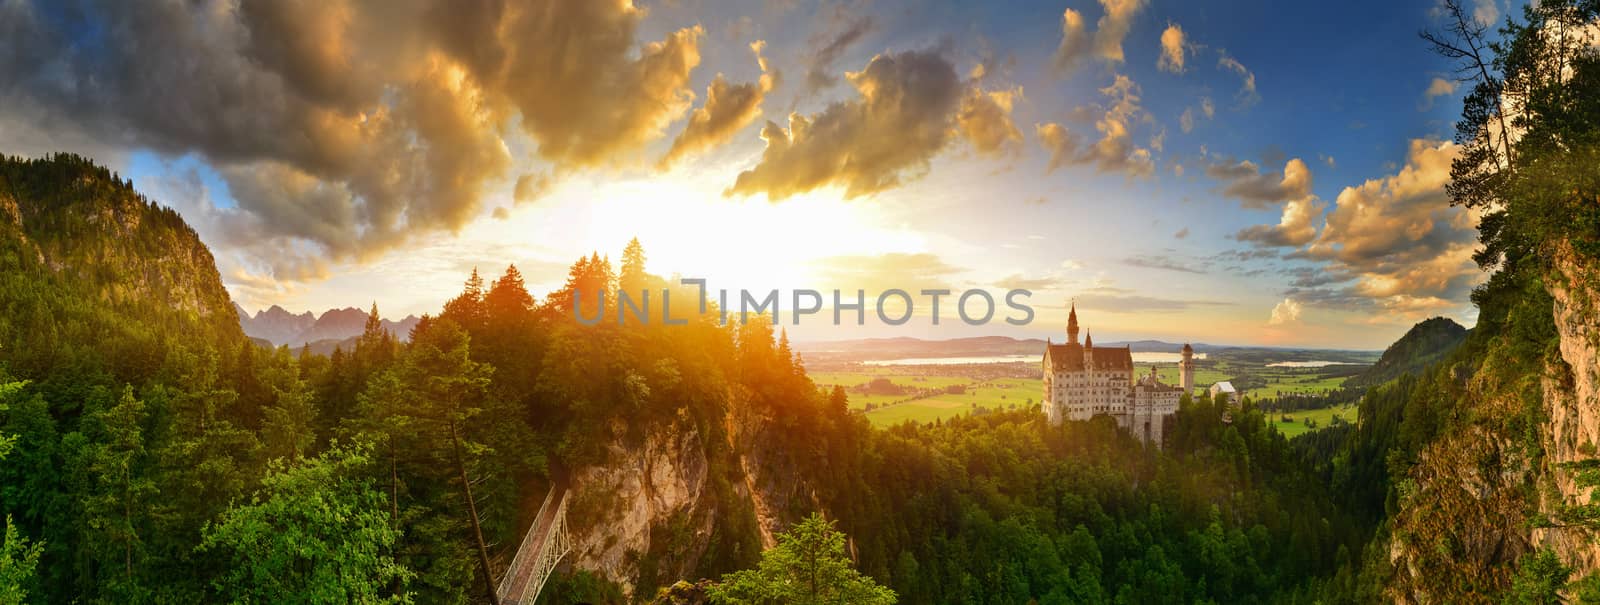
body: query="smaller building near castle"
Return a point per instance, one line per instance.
(1082, 381)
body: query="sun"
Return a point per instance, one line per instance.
(690, 229)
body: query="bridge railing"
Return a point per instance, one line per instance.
(534, 561)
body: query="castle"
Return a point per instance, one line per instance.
(1081, 381)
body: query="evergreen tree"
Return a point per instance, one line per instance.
(632, 277)
(117, 463)
(316, 532)
(289, 431)
(807, 567)
(17, 558)
(433, 393)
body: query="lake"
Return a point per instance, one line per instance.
(1150, 357)
(1311, 364)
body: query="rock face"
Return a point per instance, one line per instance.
(1462, 519)
(618, 506)
(1572, 402)
(646, 516)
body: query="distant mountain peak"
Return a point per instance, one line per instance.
(282, 327)
(1425, 343)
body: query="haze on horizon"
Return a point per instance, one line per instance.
(1267, 174)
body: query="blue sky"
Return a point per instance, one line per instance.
(332, 158)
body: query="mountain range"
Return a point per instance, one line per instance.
(909, 347)
(281, 327)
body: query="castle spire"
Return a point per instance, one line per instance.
(1072, 324)
(1088, 341)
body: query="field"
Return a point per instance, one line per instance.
(926, 393)
(1322, 417)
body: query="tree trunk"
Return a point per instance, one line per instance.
(472, 512)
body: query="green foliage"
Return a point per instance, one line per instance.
(1540, 578)
(17, 562)
(807, 567)
(316, 532)
(17, 558)
(1421, 346)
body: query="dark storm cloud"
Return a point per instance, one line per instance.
(345, 125)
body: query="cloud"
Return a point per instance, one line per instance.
(985, 120)
(905, 112)
(1117, 300)
(1295, 229)
(1244, 181)
(1018, 281)
(1181, 233)
(911, 272)
(727, 109)
(846, 32)
(1106, 41)
(1398, 240)
(1172, 49)
(1285, 312)
(1115, 151)
(530, 187)
(346, 129)
(1485, 12)
(1247, 94)
(1186, 121)
(1062, 144)
(1165, 263)
(1438, 87)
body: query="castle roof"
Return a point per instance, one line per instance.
(1151, 383)
(1069, 357)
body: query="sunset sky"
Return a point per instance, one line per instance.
(1243, 173)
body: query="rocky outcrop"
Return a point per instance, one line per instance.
(646, 516)
(1572, 403)
(1465, 507)
(619, 506)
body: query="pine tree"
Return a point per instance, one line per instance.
(122, 488)
(317, 532)
(431, 395)
(633, 278)
(809, 566)
(467, 308)
(18, 559)
(289, 431)
(508, 303)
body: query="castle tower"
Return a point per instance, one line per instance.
(1072, 324)
(1186, 369)
(1088, 351)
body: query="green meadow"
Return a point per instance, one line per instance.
(1295, 423)
(932, 392)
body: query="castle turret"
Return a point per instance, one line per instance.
(1186, 369)
(1088, 350)
(1072, 324)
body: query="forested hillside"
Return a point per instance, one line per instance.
(1422, 346)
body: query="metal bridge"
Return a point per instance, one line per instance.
(545, 544)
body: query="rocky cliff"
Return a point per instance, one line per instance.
(1572, 403)
(683, 499)
(1515, 413)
